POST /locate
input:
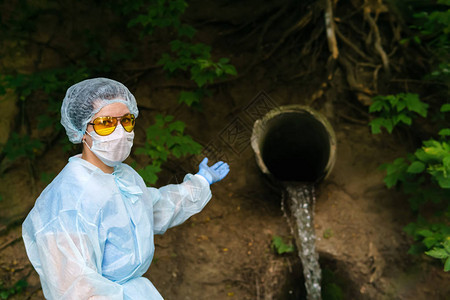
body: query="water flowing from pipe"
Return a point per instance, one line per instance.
(296, 147)
(300, 200)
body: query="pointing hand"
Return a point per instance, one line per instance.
(215, 173)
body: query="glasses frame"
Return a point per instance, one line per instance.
(119, 120)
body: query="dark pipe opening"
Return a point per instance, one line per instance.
(296, 147)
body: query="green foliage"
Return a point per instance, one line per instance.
(164, 138)
(431, 238)
(195, 59)
(51, 82)
(445, 108)
(430, 25)
(149, 173)
(394, 109)
(441, 72)
(434, 26)
(442, 252)
(21, 146)
(193, 98)
(279, 246)
(158, 14)
(18, 287)
(433, 159)
(424, 176)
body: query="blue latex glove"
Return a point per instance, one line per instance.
(214, 173)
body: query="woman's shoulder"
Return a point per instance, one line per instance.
(74, 185)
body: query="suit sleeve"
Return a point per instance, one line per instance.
(175, 203)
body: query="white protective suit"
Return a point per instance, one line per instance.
(90, 234)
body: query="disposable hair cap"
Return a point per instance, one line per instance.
(84, 99)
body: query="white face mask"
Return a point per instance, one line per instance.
(114, 148)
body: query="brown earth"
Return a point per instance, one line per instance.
(225, 252)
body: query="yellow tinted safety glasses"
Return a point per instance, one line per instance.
(106, 125)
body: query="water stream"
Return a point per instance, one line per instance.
(298, 207)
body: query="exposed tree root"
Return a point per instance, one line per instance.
(363, 94)
(297, 26)
(375, 31)
(351, 45)
(330, 26)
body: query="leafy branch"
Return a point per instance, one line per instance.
(425, 177)
(433, 240)
(163, 139)
(394, 109)
(195, 59)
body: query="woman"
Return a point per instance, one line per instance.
(90, 233)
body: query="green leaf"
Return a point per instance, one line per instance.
(224, 60)
(280, 246)
(438, 253)
(401, 105)
(411, 229)
(376, 106)
(430, 241)
(404, 118)
(230, 70)
(388, 124)
(416, 167)
(422, 155)
(413, 103)
(425, 233)
(445, 107)
(447, 264)
(446, 163)
(447, 244)
(177, 126)
(393, 100)
(444, 132)
(375, 125)
(189, 98)
(395, 172)
(149, 173)
(444, 182)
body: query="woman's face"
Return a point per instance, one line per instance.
(112, 110)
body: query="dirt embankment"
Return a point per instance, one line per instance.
(225, 252)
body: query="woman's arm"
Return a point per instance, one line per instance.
(175, 203)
